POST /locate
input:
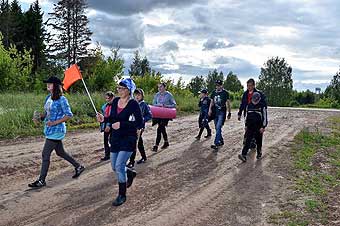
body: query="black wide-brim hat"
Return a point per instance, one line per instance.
(53, 79)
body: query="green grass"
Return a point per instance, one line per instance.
(314, 182)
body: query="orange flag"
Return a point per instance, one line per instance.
(72, 74)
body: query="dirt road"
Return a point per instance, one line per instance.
(186, 184)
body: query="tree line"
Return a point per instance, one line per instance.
(32, 49)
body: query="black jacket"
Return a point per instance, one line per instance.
(244, 102)
(130, 118)
(256, 116)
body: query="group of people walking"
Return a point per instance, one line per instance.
(123, 119)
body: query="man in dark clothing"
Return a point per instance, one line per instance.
(246, 99)
(219, 104)
(203, 122)
(256, 122)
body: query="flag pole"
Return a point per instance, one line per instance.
(89, 96)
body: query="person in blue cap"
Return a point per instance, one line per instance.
(126, 120)
(256, 122)
(57, 112)
(203, 119)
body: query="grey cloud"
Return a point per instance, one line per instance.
(129, 7)
(169, 46)
(127, 32)
(213, 43)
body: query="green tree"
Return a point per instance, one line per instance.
(71, 34)
(102, 73)
(145, 67)
(135, 67)
(333, 90)
(276, 81)
(196, 84)
(211, 79)
(34, 35)
(15, 68)
(232, 83)
(11, 24)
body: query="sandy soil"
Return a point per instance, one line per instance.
(186, 184)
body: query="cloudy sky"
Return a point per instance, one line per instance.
(192, 37)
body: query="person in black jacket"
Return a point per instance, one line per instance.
(203, 119)
(246, 99)
(125, 119)
(147, 116)
(256, 122)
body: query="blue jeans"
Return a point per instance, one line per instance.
(118, 164)
(219, 120)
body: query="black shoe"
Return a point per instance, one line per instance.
(259, 155)
(130, 176)
(207, 136)
(37, 184)
(242, 157)
(78, 171)
(105, 158)
(165, 145)
(155, 148)
(119, 200)
(130, 165)
(141, 161)
(215, 147)
(198, 137)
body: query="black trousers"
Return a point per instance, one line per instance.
(203, 124)
(107, 137)
(250, 134)
(49, 146)
(140, 146)
(161, 129)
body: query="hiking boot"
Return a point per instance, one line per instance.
(119, 200)
(242, 157)
(259, 155)
(198, 137)
(140, 161)
(131, 174)
(155, 148)
(165, 145)
(37, 184)
(78, 171)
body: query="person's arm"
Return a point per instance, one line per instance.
(171, 100)
(228, 105)
(147, 113)
(242, 106)
(65, 107)
(264, 118)
(212, 103)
